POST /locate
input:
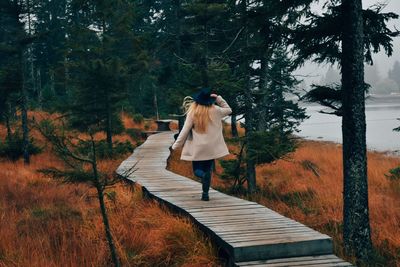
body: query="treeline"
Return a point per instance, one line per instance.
(90, 60)
(384, 85)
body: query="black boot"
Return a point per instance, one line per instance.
(206, 180)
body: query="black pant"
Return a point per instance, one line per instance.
(200, 167)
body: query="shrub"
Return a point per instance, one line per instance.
(235, 171)
(12, 147)
(147, 125)
(119, 148)
(394, 174)
(138, 118)
(135, 134)
(269, 146)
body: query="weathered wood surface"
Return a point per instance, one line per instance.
(251, 234)
(321, 260)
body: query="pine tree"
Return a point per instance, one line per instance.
(81, 167)
(13, 46)
(348, 35)
(264, 25)
(49, 72)
(100, 64)
(356, 227)
(278, 107)
(10, 65)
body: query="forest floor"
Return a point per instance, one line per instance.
(307, 187)
(45, 223)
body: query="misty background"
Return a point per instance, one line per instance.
(382, 107)
(376, 75)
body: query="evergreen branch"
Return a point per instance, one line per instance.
(233, 41)
(182, 59)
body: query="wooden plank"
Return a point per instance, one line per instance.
(245, 251)
(288, 260)
(157, 189)
(247, 233)
(256, 209)
(260, 230)
(242, 224)
(248, 205)
(253, 243)
(329, 264)
(272, 238)
(261, 221)
(256, 218)
(318, 262)
(239, 214)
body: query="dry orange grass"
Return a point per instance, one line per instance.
(326, 205)
(45, 223)
(296, 192)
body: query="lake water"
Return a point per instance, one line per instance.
(381, 115)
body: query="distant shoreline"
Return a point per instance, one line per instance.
(372, 99)
(390, 153)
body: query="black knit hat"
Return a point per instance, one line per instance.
(203, 97)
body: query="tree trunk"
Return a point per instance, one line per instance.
(234, 130)
(7, 115)
(204, 72)
(156, 103)
(110, 241)
(24, 112)
(204, 59)
(262, 85)
(251, 175)
(263, 76)
(100, 196)
(8, 126)
(39, 88)
(25, 128)
(280, 104)
(109, 128)
(177, 13)
(250, 164)
(108, 105)
(356, 230)
(30, 50)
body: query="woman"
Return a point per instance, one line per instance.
(201, 135)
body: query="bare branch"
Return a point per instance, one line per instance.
(234, 40)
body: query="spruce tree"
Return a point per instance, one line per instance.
(356, 227)
(14, 41)
(348, 35)
(100, 63)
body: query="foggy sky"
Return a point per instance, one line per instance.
(383, 62)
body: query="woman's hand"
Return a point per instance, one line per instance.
(214, 95)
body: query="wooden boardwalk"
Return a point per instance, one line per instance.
(251, 234)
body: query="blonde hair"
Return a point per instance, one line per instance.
(200, 113)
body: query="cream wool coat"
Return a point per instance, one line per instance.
(208, 145)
